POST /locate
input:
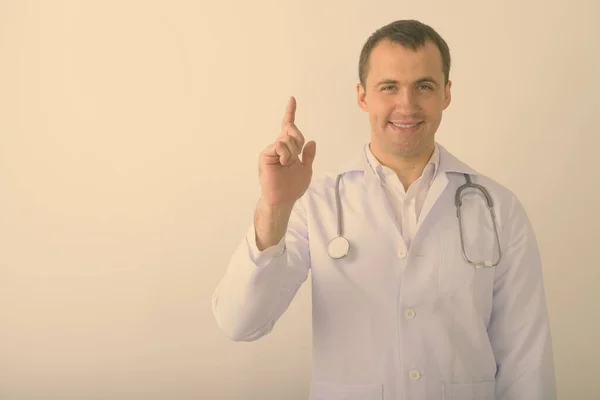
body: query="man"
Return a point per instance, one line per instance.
(406, 311)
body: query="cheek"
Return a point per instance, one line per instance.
(381, 118)
(432, 109)
(383, 110)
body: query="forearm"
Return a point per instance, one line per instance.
(270, 223)
(258, 285)
(248, 295)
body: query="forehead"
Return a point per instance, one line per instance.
(393, 60)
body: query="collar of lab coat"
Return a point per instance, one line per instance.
(448, 163)
(382, 172)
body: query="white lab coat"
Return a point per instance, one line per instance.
(389, 324)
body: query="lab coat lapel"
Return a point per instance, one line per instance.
(375, 190)
(375, 194)
(378, 201)
(448, 164)
(435, 191)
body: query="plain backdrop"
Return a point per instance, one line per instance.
(129, 140)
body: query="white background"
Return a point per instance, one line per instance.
(129, 139)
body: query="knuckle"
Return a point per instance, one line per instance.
(289, 141)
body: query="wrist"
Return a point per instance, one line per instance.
(275, 210)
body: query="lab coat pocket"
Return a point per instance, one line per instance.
(471, 391)
(334, 391)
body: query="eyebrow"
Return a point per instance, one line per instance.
(420, 80)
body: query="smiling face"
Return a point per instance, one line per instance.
(405, 94)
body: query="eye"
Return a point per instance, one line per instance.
(387, 88)
(425, 87)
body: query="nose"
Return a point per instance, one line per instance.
(406, 102)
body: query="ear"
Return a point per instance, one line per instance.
(361, 95)
(447, 95)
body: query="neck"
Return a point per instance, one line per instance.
(408, 168)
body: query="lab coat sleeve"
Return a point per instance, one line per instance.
(519, 327)
(258, 286)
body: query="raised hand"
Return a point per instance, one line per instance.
(285, 166)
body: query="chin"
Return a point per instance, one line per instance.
(408, 148)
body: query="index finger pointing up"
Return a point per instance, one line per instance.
(290, 112)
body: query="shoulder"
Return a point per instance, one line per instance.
(454, 166)
(352, 171)
(323, 186)
(324, 182)
(507, 206)
(501, 192)
(326, 186)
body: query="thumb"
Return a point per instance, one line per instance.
(308, 153)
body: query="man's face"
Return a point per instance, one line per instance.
(404, 95)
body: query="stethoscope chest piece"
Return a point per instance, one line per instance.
(338, 247)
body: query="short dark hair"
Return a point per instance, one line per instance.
(408, 33)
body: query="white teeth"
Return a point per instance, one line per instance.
(404, 125)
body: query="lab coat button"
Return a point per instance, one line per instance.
(415, 375)
(402, 253)
(409, 314)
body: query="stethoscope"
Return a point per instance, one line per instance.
(339, 246)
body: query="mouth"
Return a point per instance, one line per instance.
(406, 127)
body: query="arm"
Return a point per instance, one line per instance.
(519, 328)
(264, 273)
